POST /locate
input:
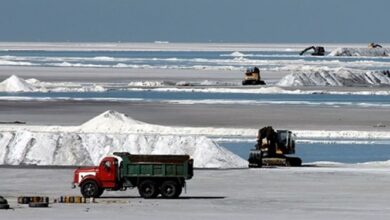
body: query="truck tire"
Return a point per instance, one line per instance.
(170, 189)
(4, 206)
(90, 188)
(101, 191)
(148, 189)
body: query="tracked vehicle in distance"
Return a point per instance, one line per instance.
(272, 147)
(252, 77)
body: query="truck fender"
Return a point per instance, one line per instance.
(90, 177)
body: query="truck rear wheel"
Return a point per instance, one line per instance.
(170, 189)
(148, 189)
(90, 188)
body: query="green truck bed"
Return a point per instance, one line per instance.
(175, 166)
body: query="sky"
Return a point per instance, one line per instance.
(229, 21)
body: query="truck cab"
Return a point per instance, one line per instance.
(104, 176)
(285, 142)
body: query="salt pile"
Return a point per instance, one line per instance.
(334, 77)
(236, 54)
(150, 83)
(110, 121)
(105, 135)
(85, 88)
(58, 148)
(16, 84)
(115, 122)
(367, 52)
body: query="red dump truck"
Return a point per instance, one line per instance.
(151, 174)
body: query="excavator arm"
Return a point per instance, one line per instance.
(317, 51)
(307, 49)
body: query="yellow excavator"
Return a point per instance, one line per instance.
(252, 77)
(272, 147)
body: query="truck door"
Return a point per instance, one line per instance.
(108, 172)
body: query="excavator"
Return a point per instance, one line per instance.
(374, 45)
(272, 147)
(252, 77)
(318, 51)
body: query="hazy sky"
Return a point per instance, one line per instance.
(330, 21)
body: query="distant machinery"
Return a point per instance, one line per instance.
(317, 51)
(374, 45)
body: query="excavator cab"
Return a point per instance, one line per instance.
(272, 150)
(285, 142)
(252, 77)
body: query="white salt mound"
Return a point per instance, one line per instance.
(237, 54)
(105, 136)
(334, 77)
(150, 83)
(87, 88)
(110, 121)
(61, 148)
(16, 84)
(33, 81)
(366, 52)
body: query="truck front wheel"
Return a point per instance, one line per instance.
(90, 189)
(170, 189)
(148, 189)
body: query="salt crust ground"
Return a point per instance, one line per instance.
(306, 193)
